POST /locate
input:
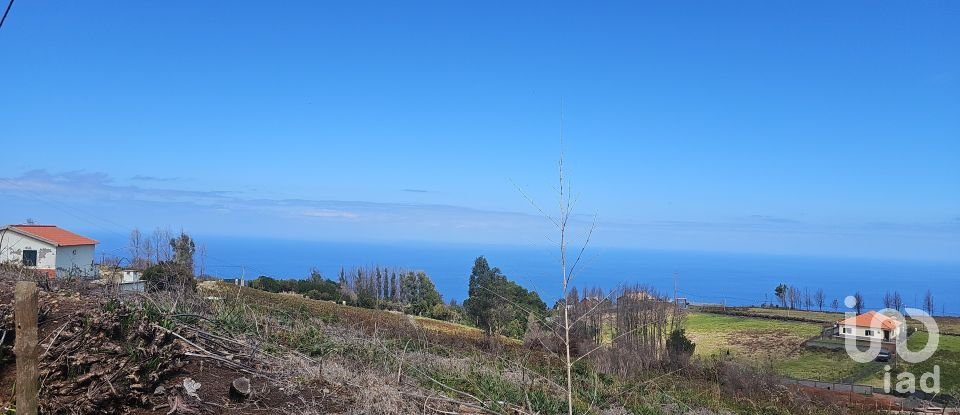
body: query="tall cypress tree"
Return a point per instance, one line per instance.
(393, 286)
(478, 303)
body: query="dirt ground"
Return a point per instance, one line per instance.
(771, 343)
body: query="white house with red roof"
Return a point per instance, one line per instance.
(49, 249)
(870, 325)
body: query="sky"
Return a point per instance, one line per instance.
(807, 128)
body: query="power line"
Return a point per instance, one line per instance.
(5, 12)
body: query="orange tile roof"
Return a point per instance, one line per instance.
(871, 319)
(54, 235)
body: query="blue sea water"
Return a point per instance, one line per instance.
(704, 277)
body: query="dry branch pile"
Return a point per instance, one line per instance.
(103, 361)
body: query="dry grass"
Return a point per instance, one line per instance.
(386, 363)
(754, 339)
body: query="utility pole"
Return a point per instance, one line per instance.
(676, 303)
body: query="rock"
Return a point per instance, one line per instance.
(240, 389)
(191, 386)
(618, 410)
(160, 390)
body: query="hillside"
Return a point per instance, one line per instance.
(143, 353)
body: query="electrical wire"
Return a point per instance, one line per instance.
(5, 13)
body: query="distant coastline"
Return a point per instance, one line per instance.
(734, 279)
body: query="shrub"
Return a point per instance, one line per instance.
(169, 275)
(679, 348)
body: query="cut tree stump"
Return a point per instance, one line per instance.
(240, 389)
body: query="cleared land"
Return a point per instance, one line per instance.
(766, 339)
(749, 338)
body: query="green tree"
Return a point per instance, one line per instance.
(315, 276)
(427, 295)
(781, 293)
(266, 283)
(183, 250)
(498, 305)
(479, 298)
(168, 275)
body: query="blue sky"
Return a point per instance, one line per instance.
(812, 128)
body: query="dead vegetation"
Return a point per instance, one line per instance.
(184, 352)
(103, 360)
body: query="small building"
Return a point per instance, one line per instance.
(54, 251)
(636, 296)
(125, 279)
(870, 326)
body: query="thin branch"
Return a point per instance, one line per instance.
(583, 248)
(664, 320)
(598, 304)
(534, 204)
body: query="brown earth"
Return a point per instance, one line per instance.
(773, 342)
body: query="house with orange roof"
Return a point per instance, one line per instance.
(49, 249)
(870, 326)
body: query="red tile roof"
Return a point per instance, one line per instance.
(871, 319)
(54, 235)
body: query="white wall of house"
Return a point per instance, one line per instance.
(866, 332)
(79, 257)
(12, 245)
(129, 276)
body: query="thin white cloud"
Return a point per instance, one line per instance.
(329, 213)
(53, 195)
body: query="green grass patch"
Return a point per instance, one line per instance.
(751, 338)
(824, 316)
(947, 357)
(826, 365)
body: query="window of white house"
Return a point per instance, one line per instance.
(868, 332)
(847, 330)
(29, 257)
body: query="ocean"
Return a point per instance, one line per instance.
(702, 277)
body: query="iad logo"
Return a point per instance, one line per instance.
(884, 333)
(907, 382)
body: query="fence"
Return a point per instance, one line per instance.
(864, 390)
(828, 339)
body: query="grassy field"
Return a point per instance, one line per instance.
(946, 324)
(826, 365)
(824, 316)
(947, 357)
(750, 338)
(949, 325)
(762, 340)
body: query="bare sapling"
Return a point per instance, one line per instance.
(562, 222)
